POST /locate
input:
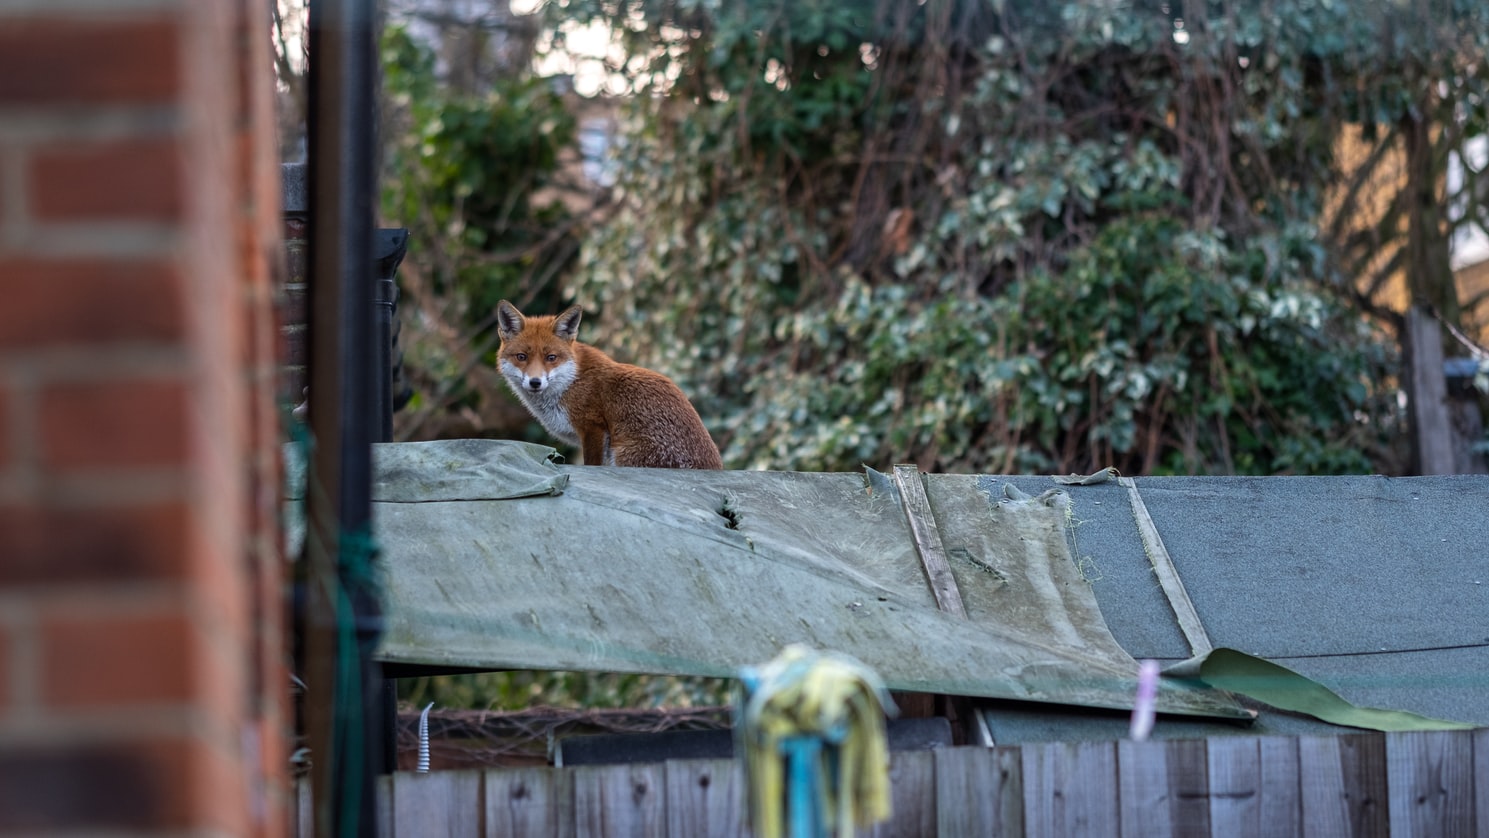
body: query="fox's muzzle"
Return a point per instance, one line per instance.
(535, 384)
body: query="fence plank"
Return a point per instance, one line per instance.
(912, 788)
(304, 809)
(978, 791)
(1281, 790)
(1235, 768)
(706, 798)
(1326, 806)
(1070, 789)
(1480, 740)
(384, 791)
(1358, 784)
(619, 800)
(1011, 791)
(1189, 787)
(1345, 779)
(1142, 782)
(443, 803)
(1430, 775)
(522, 802)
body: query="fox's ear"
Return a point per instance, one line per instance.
(508, 320)
(566, 325)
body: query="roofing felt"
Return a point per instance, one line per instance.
(1372, 586)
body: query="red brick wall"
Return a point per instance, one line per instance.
(142, 675)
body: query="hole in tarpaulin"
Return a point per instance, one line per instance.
(730, 515)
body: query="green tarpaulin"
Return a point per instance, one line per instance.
(494, 557)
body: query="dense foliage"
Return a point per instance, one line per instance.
(474, 175)
(999, 236)
(465, 169)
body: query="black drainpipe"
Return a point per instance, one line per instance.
(346, 734)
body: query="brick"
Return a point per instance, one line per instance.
(81, 302)
(294, 345)
(296, 262)
(216, 574)
(270, 801)
(293, 380)
(218, 792)
(7, 686)
(119, 660)
(128, 179)
(49, 546)
(53, 61)
(96, 786)
(5, 426)
(113, 423)
(294, 305)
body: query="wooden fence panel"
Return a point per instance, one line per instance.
(706, 799)
(1189, 787)
(384, 787)
(1415, 784)
(977, 791)
(1430, 776)
(1235, 768)
(912, 788)
(528, 803)
(1070, 789)
(1011, 790)
(1254, 786)
(443, 804)
(1344, 782)
(1480, 739)
(1142, 788)
(616, 801)
(1281, 786)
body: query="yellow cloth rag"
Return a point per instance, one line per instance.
(803, 692)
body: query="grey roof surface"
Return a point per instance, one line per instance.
(1376, 587)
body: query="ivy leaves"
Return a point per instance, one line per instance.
(1016, 236)
(463, 169)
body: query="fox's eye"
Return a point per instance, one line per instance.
(552, 358)
(521, 356)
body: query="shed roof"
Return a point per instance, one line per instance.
(1372, 586)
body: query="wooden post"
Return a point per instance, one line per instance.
(1432, 434)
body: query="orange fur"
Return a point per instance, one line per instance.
(618, 414)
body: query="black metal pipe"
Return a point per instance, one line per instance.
(341, 159)
(390, 249)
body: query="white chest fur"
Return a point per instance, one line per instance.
(546, 402)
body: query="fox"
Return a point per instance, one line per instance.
(617, 414)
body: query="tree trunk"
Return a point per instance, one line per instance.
(1431, 293)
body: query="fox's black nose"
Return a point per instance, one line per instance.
(535, 383)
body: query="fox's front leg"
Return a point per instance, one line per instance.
(592, 446)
